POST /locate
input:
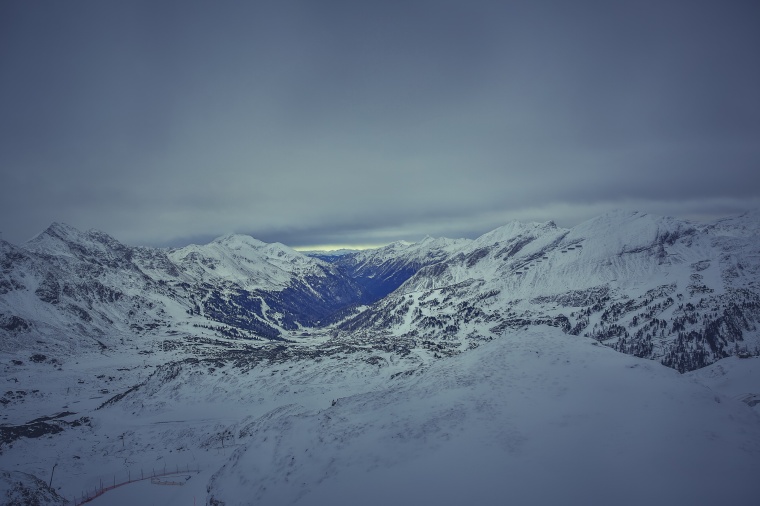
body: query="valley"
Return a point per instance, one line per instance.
(450, 370)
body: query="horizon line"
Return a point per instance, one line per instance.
(337, 247)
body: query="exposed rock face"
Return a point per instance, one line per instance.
(22, 489)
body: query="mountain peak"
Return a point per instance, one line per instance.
(58, 234)
(515, 228)
(241, 242)
(60, 230)
(238, 241)
(55, 238)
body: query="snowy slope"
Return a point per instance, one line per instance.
(682, 293)
(67, 289)
(734, 377)
(248, 262)
(22, 489)
(533, 418)
(536, 417)
(108, 417)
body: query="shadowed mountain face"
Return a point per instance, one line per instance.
(380, 271)
(682, 293)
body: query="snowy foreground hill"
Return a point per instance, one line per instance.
(536, 418)
(533, 365)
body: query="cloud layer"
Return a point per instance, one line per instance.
(342, 122)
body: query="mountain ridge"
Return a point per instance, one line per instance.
(606, 275)
(600, 278)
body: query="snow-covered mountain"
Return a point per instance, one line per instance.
(485, 370)
(682, 293)
(380, 271)
(72, 289)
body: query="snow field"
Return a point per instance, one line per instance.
(540, 418)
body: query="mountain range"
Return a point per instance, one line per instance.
(614, 355)
(682, 293)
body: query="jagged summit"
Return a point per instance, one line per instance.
(60, 238)
(54, 235)
(61, 230)
(67, 233)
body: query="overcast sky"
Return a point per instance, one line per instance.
(351, 122)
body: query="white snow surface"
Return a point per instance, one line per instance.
(734, 377)
(536, 418)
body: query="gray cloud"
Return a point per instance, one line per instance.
(306, 122)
